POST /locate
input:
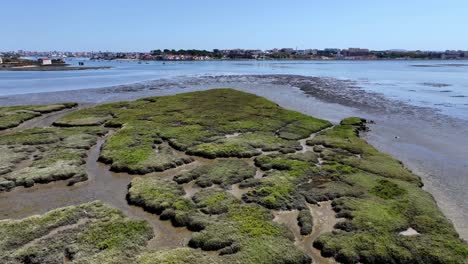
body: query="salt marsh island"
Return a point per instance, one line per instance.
(216, 176)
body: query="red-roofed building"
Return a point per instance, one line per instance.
(45, 61)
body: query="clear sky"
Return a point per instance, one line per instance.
(143, 25)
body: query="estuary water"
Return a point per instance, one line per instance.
(442, 85)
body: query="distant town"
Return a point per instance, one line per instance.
(246, 54)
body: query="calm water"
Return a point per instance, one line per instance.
(444, 87)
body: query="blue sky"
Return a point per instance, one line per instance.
(142, 25)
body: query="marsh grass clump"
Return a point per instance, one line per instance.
(247, 234)
(328, 189)
(223, 149)
(179, 256)
(305, 222)
(154, 194)
(135, 152)
(12, 116)
(214, 201)
(42, 155)
(387, 189)
(244, 146)
(87, 233)
(223, 172)
(276, 190)
(295, 164)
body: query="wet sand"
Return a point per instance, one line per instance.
(427, 142)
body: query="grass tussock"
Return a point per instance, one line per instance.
(12, 116)
(42, 155)
(87, 233)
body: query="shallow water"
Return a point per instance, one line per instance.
(444, 87)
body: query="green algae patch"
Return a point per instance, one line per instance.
(42, 155)
(12, 116)
(197, 123)
(223, 172)
(87, 233)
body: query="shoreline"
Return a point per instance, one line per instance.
(54, 68)
(435, 155)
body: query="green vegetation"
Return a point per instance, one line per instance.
(278, 189)
(12, 116)
(357, 153)
(224, 172)
(305, 222)
(87, 233)
(242, 233)
(214, 201)
(42, 155)
(196, 123)
(179, 256)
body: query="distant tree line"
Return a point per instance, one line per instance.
(407, 54)
(191, 52)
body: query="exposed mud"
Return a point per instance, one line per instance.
(238, 192)
(324, 222)
(304, 145)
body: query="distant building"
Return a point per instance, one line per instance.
(300, 52)
(1, 60)
(288, 50)
(310, 51)
(355, 52)
(45, 61)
